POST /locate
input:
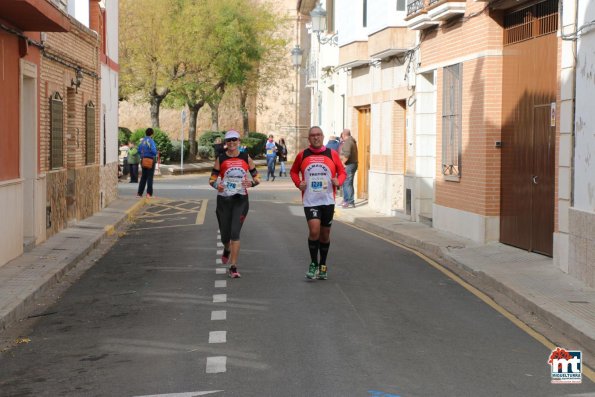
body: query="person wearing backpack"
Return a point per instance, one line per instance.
(147, 151)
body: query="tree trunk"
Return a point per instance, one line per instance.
(214, 116)
(193, 116)
(244, 109)
(156, 99)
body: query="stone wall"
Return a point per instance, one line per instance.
(108, 184)
(134, 115)
(86, 191)
(56, 201)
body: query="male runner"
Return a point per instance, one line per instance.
(317, 171)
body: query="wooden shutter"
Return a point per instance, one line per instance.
(56, 131)
(90, 132)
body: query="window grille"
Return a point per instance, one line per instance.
(538, 20)
(452, 103)
(90, 132)
(56, 131)
(365, 15)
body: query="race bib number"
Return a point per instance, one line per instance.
(233, 185)
(270, 151)
(318, 184)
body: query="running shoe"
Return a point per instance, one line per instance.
(322, 273)
(149, 195)
(224, 259)
(233, 272)
(312, 270)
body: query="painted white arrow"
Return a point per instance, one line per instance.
(187, 394)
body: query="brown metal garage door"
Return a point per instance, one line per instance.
(528, 133)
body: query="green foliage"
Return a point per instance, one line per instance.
(206, 152)
(260, 141)
(123, 135)
(175, 151)
(162, 141)
(208, 137)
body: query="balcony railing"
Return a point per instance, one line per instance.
(432, 2)
(415, 6)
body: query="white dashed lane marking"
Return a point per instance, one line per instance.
(220, 283)
(219, 298)
(220, 270)
(218, 315)
(216, 364)
(218, 337)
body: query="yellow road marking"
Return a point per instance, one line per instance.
(200, 217)
(587, 371)
(163, 227)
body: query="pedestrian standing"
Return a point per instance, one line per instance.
(230, 177)
(133, 160)
(317, 171)
(349, 159)
(282, 153)
(333, 143)
(148, 153)
(271, 154)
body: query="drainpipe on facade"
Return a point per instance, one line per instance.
(574, 40)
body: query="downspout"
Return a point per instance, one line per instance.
(573, 108)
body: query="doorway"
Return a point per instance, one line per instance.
(363, 151)
(28, 151)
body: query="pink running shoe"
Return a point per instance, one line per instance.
(233, 272)
(224, 259)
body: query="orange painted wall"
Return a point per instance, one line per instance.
(9, 107)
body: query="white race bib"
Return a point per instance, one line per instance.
(233, 185)
(318, 184)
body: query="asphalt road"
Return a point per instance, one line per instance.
(154, 317)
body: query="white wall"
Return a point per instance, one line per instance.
(348, 20)
(109, 86)
(382, 14)
(80, 10)
(584, 159)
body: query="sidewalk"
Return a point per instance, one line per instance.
(26, 277)
(530, 280)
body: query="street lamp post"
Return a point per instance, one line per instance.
(296, 61)
(318, 16)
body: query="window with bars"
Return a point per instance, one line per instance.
(534, 21)
(56, 131)
(90, 132)
(452, 103)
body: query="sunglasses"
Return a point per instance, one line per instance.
(231, 140)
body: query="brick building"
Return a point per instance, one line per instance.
(50, 172)
(22, 179)
(69, 124)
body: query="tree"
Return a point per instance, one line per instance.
(221, 49)
(271, 65)
(148, 51)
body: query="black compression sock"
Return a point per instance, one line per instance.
(324, 252)
(313, 247)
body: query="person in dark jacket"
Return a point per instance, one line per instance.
(282, 153)
(147, 150)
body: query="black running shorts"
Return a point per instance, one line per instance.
(323, 212)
